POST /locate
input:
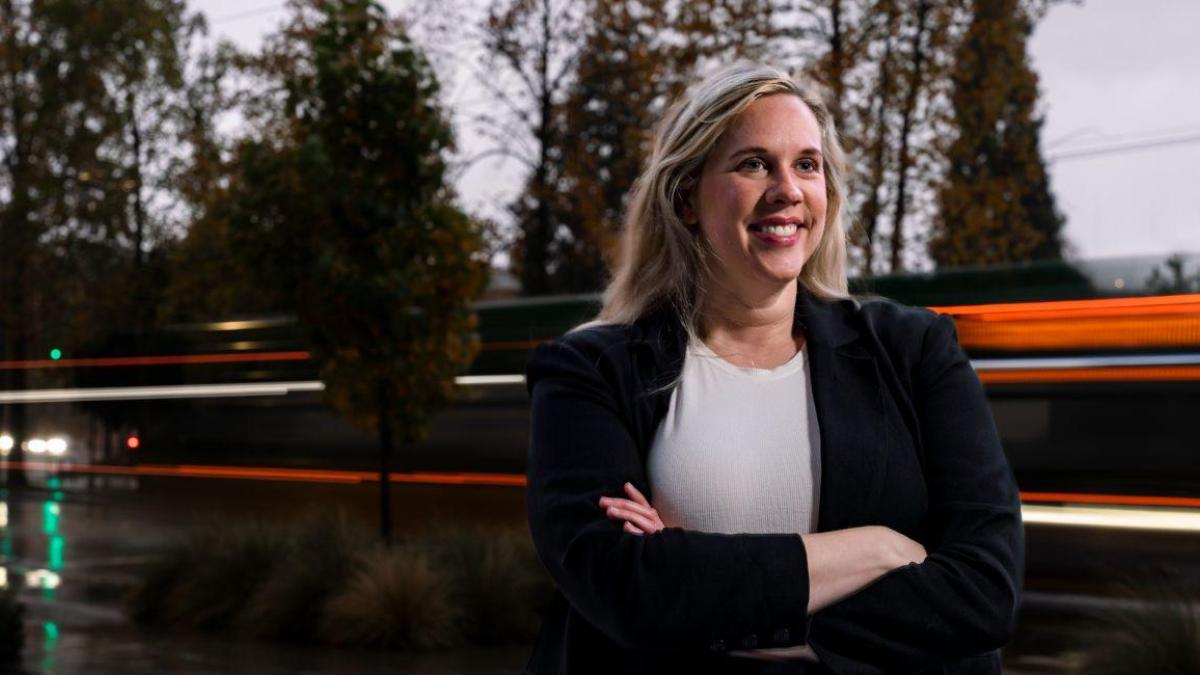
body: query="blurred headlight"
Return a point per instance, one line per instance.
(56, 446)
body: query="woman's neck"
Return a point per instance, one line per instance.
(752, 332)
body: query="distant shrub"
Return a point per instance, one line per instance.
(12, 628)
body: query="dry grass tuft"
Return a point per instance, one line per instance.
(398, 598)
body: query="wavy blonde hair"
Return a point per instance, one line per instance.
(661, 259)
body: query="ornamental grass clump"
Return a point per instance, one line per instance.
(497, 581)
(223, 568)
(397, 598)
(1153, 627)
(319, 558)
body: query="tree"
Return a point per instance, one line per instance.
(341, 204)
(536, 43)
(996, 205)
(73, 222)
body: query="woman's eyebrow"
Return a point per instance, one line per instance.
(759, 150)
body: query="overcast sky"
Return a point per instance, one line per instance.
(1120, 84)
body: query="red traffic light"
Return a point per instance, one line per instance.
(133, 442)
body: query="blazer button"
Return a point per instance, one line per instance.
(717, 646)
(750, 641)
(782, 635)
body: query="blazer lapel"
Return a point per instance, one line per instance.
(848, 397)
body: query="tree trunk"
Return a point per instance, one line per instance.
(872, 207)
(385, 462)
(915, 82)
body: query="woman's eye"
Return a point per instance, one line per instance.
(807, 165)
(754, 164)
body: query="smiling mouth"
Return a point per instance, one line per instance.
(777, 230)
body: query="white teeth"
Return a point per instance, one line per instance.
(780, 230)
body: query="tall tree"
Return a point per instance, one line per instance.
(69, 190)
(341, 203)
(536, 43)
(996, 204)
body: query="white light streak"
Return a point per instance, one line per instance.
(1067, 363)
(160, 392)
(482, 380)
(1173, 520)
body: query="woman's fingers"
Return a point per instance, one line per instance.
(637, 513)
(637, 496)
(641, 522)
(647, 511)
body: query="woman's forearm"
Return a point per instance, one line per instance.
(843, 562)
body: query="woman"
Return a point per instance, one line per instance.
(740, 468)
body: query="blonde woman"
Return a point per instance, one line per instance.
(739, 468)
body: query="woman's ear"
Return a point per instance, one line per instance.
(686, 211)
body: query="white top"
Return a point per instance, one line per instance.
(739, 452)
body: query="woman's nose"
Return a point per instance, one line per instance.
(786, 190)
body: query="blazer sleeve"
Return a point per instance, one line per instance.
(675, 590)
(962, 600)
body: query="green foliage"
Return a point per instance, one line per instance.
(341, 207)
(12, 627)
(996, 204)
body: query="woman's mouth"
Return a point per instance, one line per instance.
(776, 235)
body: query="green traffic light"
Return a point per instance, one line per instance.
(56, 353)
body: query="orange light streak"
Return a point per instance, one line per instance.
(1156, 304)
(1112, 374)
(1156, 321)
(171, 360)
(1110, 500)
(273, 473)
(490, 479)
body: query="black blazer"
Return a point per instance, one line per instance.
(907, 441)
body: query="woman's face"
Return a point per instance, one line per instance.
(760, 201)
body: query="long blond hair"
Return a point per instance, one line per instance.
(661, 260)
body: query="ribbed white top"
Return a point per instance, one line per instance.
(739, 450)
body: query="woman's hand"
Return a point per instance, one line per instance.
(639, 516)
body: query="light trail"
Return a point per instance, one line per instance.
(272, 473)
(1113, 518)
(237, 390)
(1144, 512)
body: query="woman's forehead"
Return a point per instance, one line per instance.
(779, 122)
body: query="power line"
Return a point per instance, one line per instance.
(1125, 147)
